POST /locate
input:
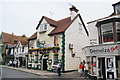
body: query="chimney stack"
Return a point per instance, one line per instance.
(73, 12)
(12, 33)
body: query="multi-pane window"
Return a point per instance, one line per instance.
(118, 30)
(55, 59)
(107, 32)
(43, 27)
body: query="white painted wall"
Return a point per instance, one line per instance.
(93, 33)
(33, 43)
(19, 46)
(73, 14)
(44, 36)
(76, 35)
(48, 39)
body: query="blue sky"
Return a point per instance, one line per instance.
(22, 16)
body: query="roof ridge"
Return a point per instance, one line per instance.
(49, 18)
(11, 34)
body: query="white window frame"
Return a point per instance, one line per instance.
(43, 27)
(102, 34)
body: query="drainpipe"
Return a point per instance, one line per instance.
(63, 52)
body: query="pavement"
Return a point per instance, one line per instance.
(46, 74)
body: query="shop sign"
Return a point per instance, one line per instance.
(104, 49)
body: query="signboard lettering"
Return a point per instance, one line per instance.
(104, 50)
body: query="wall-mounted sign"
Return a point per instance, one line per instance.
(104, 49)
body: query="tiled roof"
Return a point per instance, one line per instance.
(116, 3)
(61, 25)
(34, 36)
(102, 18)
(50, 21)
(9, 38)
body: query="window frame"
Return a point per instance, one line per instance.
(43, 27)
(106, 32)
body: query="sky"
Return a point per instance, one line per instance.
(22, 16)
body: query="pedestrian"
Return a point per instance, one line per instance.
(59, 69)
(80, 70)
(86, 68)
(15, 63)
(83, 67)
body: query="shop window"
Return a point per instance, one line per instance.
(118, 65)
(109, 63)
(92, 65)
(94, 68)
(107, 32)
(55, 59)
(118, 30)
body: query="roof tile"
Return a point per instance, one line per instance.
(9, 38)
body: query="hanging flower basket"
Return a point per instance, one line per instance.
(55, 51)
(46, 49)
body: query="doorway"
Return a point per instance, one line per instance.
(101, 66)
(44, 64)
(21, 62)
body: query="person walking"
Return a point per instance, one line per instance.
(59, 69)
(86, 68)
(80, 70)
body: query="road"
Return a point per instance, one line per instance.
(11, 74)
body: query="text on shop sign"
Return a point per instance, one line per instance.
(103, 50)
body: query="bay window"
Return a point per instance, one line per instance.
(107, 32)
(118, 30)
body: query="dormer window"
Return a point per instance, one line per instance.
(43, 27)
(117, 9)
(107, 32)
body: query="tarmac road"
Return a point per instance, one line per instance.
(11, 74)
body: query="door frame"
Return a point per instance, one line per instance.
(98, 69)
(42, 61)
(114, 66)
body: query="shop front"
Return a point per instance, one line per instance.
(20, 58)
(104, 60)
(44, 58)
